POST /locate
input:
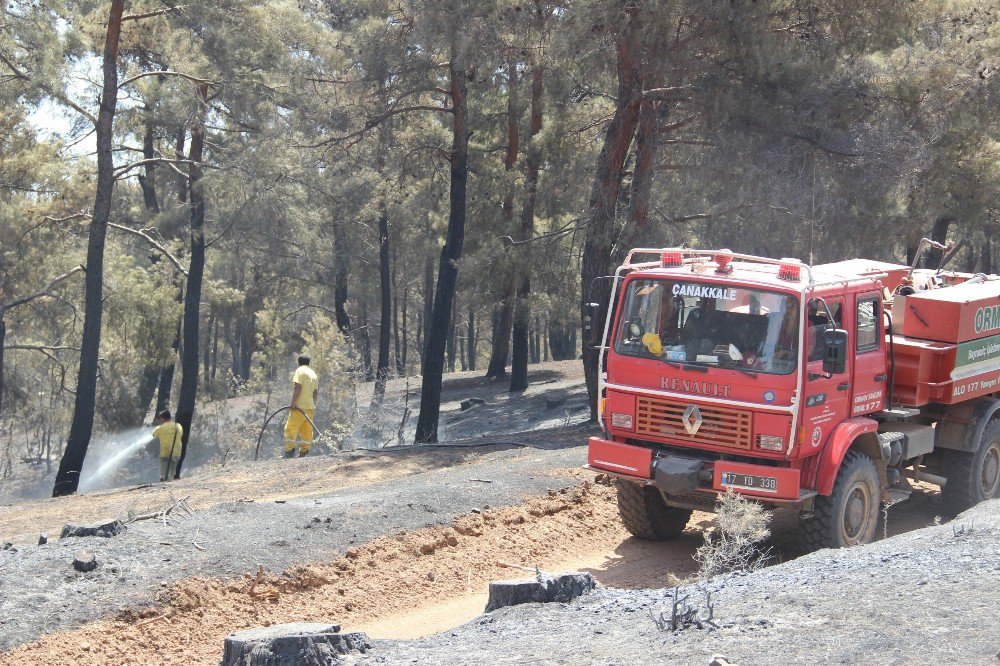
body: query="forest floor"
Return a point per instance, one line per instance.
(401, 543)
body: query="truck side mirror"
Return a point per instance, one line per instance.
(591, 325)
(835, 353)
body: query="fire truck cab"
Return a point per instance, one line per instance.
(823, 388)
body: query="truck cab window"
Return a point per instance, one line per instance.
(817, 323)
(709, 324)
(868, 316)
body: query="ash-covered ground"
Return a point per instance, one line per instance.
(925, 597)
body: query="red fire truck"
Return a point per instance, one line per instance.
(825, 388)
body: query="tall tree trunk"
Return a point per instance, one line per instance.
(340, 280)
(471, 337)
(430, 394)
(167, 371)
(500, 349)
(182, 180)
(397, 351)
(196, 270)
(385, 313)
(522, 306)
(68, 476)
(215, 350)
(364, 343)
(428, 290)
(406, 339)
(986, 257)
(450, 347)
(246, 346)
(146, 179)
(206, 357)
(651, 112)
(607, 184)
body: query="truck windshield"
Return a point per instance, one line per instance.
(706, 324)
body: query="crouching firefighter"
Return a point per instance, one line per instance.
(302, 409)
(170, 435)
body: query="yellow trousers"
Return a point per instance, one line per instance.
(298, 426)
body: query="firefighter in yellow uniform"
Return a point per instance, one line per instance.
(170, 435)
(303, 404)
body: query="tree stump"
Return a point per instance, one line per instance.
(294, 644)
(543, 589)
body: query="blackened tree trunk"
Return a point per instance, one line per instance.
(430, 394)
(385, 313)
(607, 185)
(522, 306)
(364, 344)
(500, 349)
(986, 257)
(146, 179)
(196, 269)
(206, 356)
(397, 351)
(340, 280)
(428, 290)
(167, 371)
(651, 112)
(404, 332)
(68, 476)
(450, 347)
(470, 338)
(385, 279)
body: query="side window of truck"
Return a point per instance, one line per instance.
(868, 314)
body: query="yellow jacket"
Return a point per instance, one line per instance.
(169, 434)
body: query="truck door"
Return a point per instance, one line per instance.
(827, 399)
(869, 355)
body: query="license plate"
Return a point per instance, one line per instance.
(764, 484)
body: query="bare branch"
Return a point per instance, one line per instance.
(188, 77)
(154, 160)
(44, 291)
(374, 122)
(14, 68)
(158, 12)
(41, 348)
(149, 239)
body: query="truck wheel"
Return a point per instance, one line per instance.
(646, 515)
(973, 476)
(850, 515)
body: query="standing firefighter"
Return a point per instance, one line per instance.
(170, 435)
(301, 409)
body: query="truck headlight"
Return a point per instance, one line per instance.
(771, 442)
(623, 421)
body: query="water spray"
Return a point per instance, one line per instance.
(114, 461)
(263, 428)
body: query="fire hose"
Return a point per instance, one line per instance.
(263, 428)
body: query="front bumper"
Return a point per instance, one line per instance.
(692, 482)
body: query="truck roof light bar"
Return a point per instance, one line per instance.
(711, 255)
(671, 259)
(789, 271)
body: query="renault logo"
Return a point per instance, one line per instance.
(692, 419)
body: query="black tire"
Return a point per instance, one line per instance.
(973, 476)
(646, 515)
(850, 515)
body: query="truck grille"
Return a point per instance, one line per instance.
(721, 426)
